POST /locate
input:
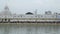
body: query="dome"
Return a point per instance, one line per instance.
(6, 8)
(29, 13)
(6, 11)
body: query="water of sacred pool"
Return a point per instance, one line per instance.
(29, 29)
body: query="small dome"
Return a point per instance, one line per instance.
(29, 13)
(6, 8)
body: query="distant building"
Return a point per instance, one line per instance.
(48, 12)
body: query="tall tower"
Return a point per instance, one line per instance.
(36, 12)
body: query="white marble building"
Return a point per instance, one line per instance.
(28, 28)
(6, 13)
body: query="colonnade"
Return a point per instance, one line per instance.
(4, 20)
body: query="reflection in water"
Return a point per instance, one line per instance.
(29, 29)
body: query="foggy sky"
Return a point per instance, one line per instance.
(23, 6)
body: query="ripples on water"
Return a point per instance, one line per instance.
(29, 29)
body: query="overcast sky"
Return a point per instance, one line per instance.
(23, 6)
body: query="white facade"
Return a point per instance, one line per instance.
(7, 14)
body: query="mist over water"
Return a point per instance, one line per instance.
(29, 29)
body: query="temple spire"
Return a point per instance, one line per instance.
(36, 12)
(6, 5)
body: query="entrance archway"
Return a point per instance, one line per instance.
(5, 20)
